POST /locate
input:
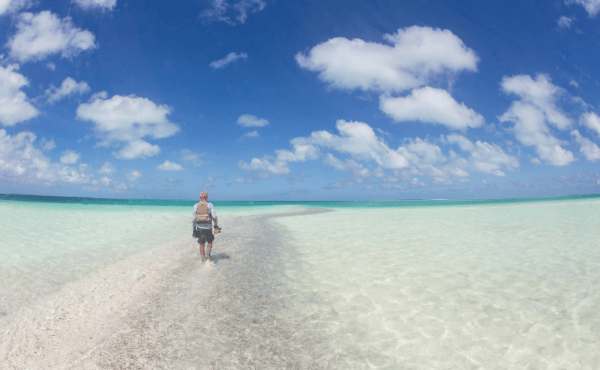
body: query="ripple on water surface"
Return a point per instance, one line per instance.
(46, 245)
(489, 286)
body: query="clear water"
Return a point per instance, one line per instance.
(46, 244)
(407, 284)
(491, 286)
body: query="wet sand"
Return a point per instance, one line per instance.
(164, 309)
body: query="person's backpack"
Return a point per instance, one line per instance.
(202, 212)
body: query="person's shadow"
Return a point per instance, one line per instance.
(220, 256)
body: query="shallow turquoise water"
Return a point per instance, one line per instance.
(503, 285)
(48, 242)
(318, 204)
(483, 283)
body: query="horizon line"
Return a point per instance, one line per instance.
(3, 196)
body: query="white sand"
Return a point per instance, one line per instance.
(485, 287)
(163, 309)
(497, 286)
(47, 245)
(72, 323)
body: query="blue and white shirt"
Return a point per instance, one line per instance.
(205, 225)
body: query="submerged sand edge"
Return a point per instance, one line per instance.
(78, 326)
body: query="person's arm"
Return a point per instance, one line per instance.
(213, 213)
(194, 218)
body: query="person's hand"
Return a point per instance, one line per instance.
(217, 229)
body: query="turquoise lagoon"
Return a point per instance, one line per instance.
(423, 284)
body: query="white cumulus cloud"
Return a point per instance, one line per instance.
(230, 58)
(485, 157)
(232, 12)
(133, 175)
(127, 118)
(539, 92)
(69, 157)
(43, 34)
(464, 144)
(531, 114)
(191, 157)
(592, 121)
(137, 149)
(99, 95)
(107, 169)
(169, 166)
(248, 120)
(419, 151)
(431, 105)
(96, 4)
(21, 162)
(588, 148)
(354, 169)
(414, 57)
(531, 130)
(252, 134)
(12, 6)
(359, 140)
(108, 182)
(427, 160)
(47, 145)
(416, 157)
(68, 87)
(14, 105)
(565, 22)
(591, 6)
(356, 139)
(276, 167)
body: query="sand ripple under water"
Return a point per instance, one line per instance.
(164, 309)
(487, 287)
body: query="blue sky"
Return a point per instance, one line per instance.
(299, 100)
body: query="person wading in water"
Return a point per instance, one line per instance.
(204, 216)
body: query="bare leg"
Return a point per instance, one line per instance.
(202, 251)
(207, 255)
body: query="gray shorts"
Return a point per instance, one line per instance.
(204, 235)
